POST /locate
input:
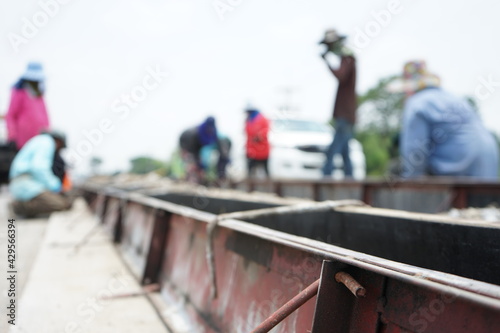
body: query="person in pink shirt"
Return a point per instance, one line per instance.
(27, 114)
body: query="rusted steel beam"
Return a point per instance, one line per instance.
(418, 310)
(316, 192)
(367, 194)
(287, 309)
(478, 292)
(249, 250)
(300, 208)
(410, 274)
(459, 197)
(460, 186)
(157, 244)
(434, 182)
(334, 305)
(211, 257)
(278, 189)
(112, 217)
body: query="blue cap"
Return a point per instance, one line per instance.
(34, 72)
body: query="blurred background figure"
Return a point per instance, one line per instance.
(27, 114)
(344, 111)
(192, 143)
(442, 135)
(59, 168)
(215, 158)
(257, 142)
(224, 148)
(8, 150)
(34, 186)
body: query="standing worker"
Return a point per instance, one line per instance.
(257, 145)
(442, 135)
(27, 114)
(344, 111)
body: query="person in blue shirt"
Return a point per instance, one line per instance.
(442, 135)
(33, 185)
(192, 141)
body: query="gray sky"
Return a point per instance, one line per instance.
(219, 58)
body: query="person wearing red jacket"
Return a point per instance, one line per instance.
(257, 144)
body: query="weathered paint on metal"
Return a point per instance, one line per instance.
(338, 310)
(432, 312)
(156, 250)
(259, 269)
(112, 217)
(288, 308)
(137, 233)
(243, 264)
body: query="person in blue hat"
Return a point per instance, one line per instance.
(27, 114)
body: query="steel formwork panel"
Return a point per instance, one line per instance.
(258, 269)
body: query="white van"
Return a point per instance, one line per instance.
(298, 152)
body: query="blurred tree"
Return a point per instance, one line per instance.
(176, 167)
(95, 163)
(376, 149)
(379, 109)
(144, 164)
(379, 115)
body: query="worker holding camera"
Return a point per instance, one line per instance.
(344, 111)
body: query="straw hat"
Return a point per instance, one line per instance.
(415, 77)
(331, 36)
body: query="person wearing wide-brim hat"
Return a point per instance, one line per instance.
(415, 77)
(441, 135)
(27, 114)
(333, 40)
(344, 110)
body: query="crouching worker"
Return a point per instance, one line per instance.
(35, 188)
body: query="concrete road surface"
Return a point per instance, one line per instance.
(70, 278)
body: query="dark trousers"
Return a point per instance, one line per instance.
(253, 164)
(45, 203)
(340, 145)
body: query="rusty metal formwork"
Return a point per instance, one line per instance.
(231, 265)
(426, 196)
